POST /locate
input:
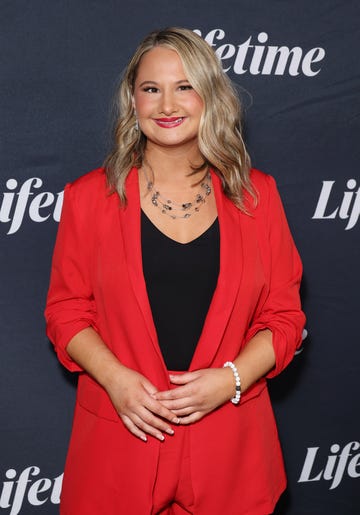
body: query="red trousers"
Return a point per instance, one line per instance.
(173, 493)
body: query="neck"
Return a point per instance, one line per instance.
(173, 164)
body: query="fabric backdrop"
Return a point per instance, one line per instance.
(297, 68)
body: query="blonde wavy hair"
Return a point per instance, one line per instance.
(219, 139)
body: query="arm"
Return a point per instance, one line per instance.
(130, 392)
(72, 323)
(273, 335)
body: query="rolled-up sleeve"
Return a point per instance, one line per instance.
(70, 304)
(281, 311)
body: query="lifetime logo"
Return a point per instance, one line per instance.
(259, 58)
(25, 198)
(23, 486)
(345, 208)
(339, 463)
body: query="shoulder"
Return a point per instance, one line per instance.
(91, 181)
(265, 188)
(261, 181)
(89, 189)
(87, 197)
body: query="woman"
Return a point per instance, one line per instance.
(174, 293)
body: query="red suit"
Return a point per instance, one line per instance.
(97, 280)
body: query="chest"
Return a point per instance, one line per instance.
(117, 269)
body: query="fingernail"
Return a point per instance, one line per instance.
(143, 438)
(170, 431)
(176, 421)
(161, 438)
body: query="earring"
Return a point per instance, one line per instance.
(136, 125)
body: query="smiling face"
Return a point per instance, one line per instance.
(168, 108)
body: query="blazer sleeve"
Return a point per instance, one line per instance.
(281, 311)
(70, 304)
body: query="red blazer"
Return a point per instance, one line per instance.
(97, 281)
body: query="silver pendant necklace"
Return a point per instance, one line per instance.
(172, 208)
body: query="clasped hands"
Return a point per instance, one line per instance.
(146, 411)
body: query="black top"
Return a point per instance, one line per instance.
(180, 280)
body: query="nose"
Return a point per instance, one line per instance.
(168, 103)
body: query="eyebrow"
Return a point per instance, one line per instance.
(156, 83)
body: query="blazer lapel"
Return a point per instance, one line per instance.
(131, 226)
(231, 269)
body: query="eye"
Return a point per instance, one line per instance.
(150, 89)
(185, 87)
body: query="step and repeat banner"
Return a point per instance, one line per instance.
(297, 69)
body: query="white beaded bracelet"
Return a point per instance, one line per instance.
(236, 398)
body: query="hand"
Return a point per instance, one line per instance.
(198, 393)
(133, 398)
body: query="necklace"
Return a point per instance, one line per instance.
(172, 208)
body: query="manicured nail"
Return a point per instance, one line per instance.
(143, 438)
(170, 431)
(161, 438)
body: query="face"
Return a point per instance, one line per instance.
(167, 107)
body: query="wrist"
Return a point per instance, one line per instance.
(236, 395)
(112, 374)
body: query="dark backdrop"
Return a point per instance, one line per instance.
(297, 67)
